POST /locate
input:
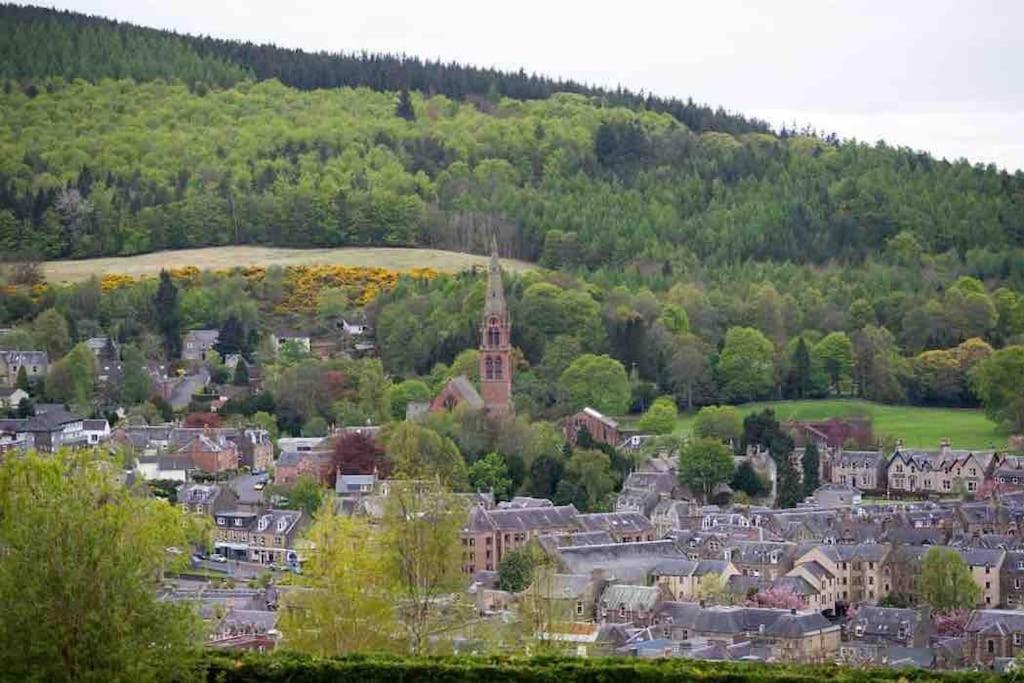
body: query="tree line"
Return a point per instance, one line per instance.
(40, 42)
(121, 168)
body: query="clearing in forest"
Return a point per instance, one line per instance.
(221, 258)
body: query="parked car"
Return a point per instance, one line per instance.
(217, 557)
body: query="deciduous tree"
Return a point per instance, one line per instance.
(703, 465)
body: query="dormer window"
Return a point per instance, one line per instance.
(282, 524)
(264, 522)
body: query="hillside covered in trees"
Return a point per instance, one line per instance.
(126, 140)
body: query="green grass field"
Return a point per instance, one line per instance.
(918, 427)
(218, 258)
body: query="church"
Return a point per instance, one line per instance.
(495, 395)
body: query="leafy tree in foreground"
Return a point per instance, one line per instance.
(82, 560)
(703, 465)
(945, 581)
(347, 566)
(516, 570)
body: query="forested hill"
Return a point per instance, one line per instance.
(36, 42)
(180, 147)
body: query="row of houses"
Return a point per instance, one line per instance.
(51, 428)
(943, 472)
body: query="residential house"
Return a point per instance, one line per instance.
(14, 436)
(670, 514)
(266, 538)
(862, 570)
(630, 604)
(11, 397)
(601, 428)
(805, 637)
(762, 559)
(95, 431)
(196, 344)
(993, 633)
(1011, 579)
(891, 626)
(36, 364)
(164, 467)
(623, 527)
(211, 452)
(298, 340)
(863, 470)
(682, 578)
(206, 499)
(621, 562)
(53, 427)
(945, 471)
(819, 588)
(489, 534)
(986, 566)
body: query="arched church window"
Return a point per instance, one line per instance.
(493, 336)
(497, 368)
(489, 368)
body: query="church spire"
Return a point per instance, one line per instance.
(495, 303)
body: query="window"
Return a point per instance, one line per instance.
(579, 608)
(498, 372)
(972, 486)
(1018, 639)
(489, 368)
(945, 484)
(622, 609)
(991, 646)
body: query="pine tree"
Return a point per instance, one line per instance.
(789, 490)
(800, 377)
(168, 313)
(811, 467)
(404, 108)
(241, 378)
(22, 380)
(232, 338)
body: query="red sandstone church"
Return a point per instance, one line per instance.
(495, 395)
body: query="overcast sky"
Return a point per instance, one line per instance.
(937, 75)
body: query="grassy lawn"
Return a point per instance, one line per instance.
(918, 427)
(218, 258)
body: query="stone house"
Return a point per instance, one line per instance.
(567, 597)
(862, 570)
(986, 566)
(489, 534)
(206, 499)
(1011, 579)
(623, 527)
(891, 626)
(864, 470)
(823, 583)
(211, 453)
(196, 344)
(805, 637)
(11, 397)
(629, 604)
(682, 578)
(266, 538)
(837, 496)
(762, 559)
(992, 633)
(36, 364)
(943, 472)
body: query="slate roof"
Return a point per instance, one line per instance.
(674, 567)
(623, 561)
(534, 519)
(635, 598)
(601, 417)
(40, 358)
(628, 522)
(467, 391)
(886, 621)
(990, 620)
(798, 625)
(194, 494)
(982, 557)
(562, 586)
(683, 614)
(797, 585)
(94, 425)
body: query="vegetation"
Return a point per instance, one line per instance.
(703, 465)
(82, 559)
(945, 582)
(252, 668)
(918, 427)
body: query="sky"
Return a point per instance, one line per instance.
(936, 75)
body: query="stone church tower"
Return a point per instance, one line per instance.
(496, 344)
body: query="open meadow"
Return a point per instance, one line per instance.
(918, 427)
(222, 258)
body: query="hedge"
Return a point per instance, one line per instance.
(282, 667)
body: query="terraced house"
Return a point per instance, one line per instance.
(945, 471)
